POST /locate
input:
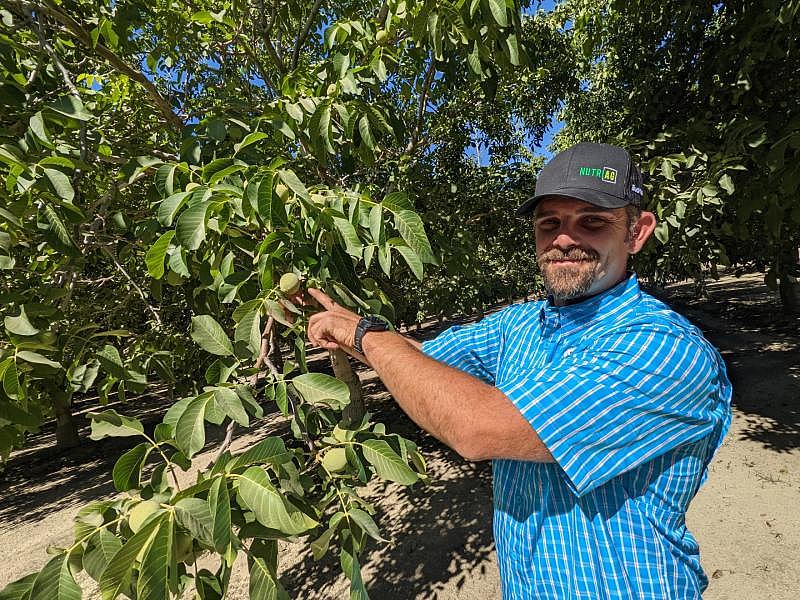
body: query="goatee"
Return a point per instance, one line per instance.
(572, 280)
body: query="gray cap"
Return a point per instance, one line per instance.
(600, 174)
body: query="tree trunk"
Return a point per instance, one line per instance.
(354, 411)
(66, 430)
(789, 289)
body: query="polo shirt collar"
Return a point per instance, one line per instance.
(598, 306)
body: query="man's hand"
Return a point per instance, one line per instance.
(334, 327)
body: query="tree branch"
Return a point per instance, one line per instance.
(304, 33)
(85, 38)
(423, 102)
(266, 30)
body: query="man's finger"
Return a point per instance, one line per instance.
(323, 298)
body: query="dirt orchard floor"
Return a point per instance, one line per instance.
(746, 517)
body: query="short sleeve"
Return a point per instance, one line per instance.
(624, 399)
(470, 348)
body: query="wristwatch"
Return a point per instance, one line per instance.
(369, 323)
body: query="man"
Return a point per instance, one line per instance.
(600, 407)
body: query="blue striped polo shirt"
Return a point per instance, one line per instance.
(632, 403)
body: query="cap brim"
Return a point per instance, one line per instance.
(591, 196)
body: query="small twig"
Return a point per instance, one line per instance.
(122, 270)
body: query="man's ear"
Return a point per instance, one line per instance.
(642, 230)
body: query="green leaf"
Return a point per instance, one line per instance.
(319, 388)
(293, 183)
(194, 515)
(8, 369)
(413, 261)
(320, 129)
(253, 407)
(366, 133)
(19, 589)
(666, 170)
(217, 130)
(58, 228)
(412, 230)
(220, 507)
(662, 232)
(249, 139)
(165, 179)
(263, 583)
(209, 335)
(397, 201)
(498, 9)
(39, 130)
(154, 259)
(376, 223)
(111, 424)
(319, 547)
(388, 464)
(232, 405)
(220, 370)
(726, 183)
(269, 506)
(365, 522)
(385, 258)
(474, 60)
(35, 358)
(513, 49)
(61, 184)
(357, 589)
(190, 431)
(55, 581)
(269, 450)
(100, 549)
(20, 325)
(127, 473)
(71, 106)
(170, 206)
(349, 236)
(153, 580)
(191, 226)
(248, 330)
(111, 361)
(270, 206)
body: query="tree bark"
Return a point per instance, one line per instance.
(354, 411)
(789, 289)
(66, 430)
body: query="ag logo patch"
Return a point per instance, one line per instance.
(606, 174)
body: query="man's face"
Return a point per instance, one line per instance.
(581, 249)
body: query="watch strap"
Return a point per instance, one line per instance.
(368, 323)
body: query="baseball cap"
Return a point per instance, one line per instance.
(600, 174)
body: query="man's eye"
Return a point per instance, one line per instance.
(594, 221)
(547, 224)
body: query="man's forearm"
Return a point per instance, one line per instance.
(462, 411)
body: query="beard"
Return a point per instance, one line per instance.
(569, 281)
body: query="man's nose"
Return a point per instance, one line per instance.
(565, 239)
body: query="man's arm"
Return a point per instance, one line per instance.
(475, 419)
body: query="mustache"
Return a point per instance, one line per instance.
(571, 254)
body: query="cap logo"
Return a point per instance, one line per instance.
(606, 174)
